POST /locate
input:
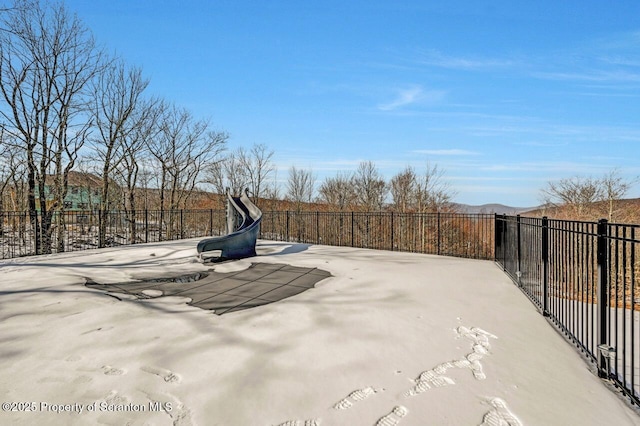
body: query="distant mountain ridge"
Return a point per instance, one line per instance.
(492, 208)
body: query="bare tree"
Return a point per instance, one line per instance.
(134, 152)
(183, 147)
(577, 192)
(47, 57)
(229, 172)
(144, 172)
(214, 176)
(300, 186)
(272, 192)
(12, 188)
(370, 186)
(581, 194)
(404, 190)
(614, 188)
(433, 193)
(131, 168)
(426, 193)
(338, 191)
(258, 167)
(118, 92)
(12, 174)
(10, 164)
(242, 169)
(16, 5)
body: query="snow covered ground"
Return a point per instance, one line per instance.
(392, 338)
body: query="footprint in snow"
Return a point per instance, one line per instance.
(167, 375)
(112, 371)
(394, 417)
(355, 396)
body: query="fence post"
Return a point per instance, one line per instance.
(352, 228)
(101, 237)
(503, 235)
(603, 302)
(496, 236)
(181, 223)
(392, 231)
(545, 266)
(519, 250)
(438, 234)
(288, 225)
(146, 225)
(317, 227)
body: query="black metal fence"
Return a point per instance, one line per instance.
(462, 235)
(75, 231)
(450, 234)
(585, 277)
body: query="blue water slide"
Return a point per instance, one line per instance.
(242, 241)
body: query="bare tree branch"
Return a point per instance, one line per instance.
(371, 189)
(300, 186)
(338, 191)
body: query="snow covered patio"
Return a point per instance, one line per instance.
(390, 338)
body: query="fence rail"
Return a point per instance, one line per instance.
(585, 277)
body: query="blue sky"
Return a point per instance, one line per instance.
(502, 95)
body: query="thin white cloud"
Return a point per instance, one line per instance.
(561, 134)
(491, 189)
(624, 60)
(546, 167)
(335, 165)
(445, 152)
(497, 179)
(625, 41)
(436, 58)
(599, 76)
(412, 95)
(542, 144)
